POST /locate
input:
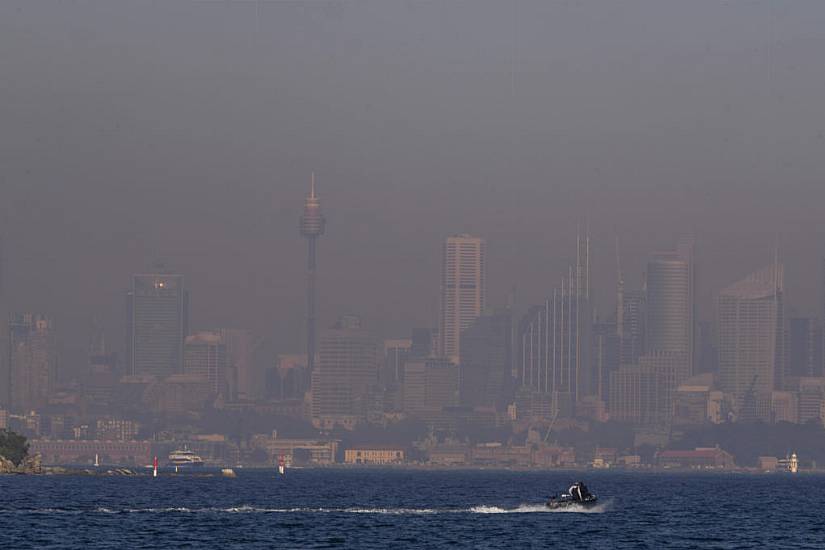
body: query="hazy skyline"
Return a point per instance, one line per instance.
(186, 132)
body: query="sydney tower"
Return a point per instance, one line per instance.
(312, 226)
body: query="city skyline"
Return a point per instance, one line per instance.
(447, 131)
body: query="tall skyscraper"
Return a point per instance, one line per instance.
(804, 347)
(463, 290)
(247, 382)
(396, 353)
(32, 361)
(347, 369)
(670, 305)
(205, 356)
(312, 225)
(750, 321)
(631, 326)
(605, 356)
(485, 369)
(158, 323)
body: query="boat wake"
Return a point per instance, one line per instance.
(482, 509)
(541, 508)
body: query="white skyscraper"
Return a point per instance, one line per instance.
(463, 289)
(670, 306)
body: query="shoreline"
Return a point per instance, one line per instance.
(215, 471)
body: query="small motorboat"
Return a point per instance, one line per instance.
(578, 495)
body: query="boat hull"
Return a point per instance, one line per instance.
(556, 504)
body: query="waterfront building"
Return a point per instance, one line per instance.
(374, 455)
(135, 453)
(699, 458)
(296, 451)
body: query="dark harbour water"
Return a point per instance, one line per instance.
(412, 509)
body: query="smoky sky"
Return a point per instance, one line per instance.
(186, 132)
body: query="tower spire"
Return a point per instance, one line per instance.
(312, 186)
(311, 225)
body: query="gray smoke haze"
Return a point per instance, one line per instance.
(186, 131)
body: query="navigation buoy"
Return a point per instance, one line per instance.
(793, 464)
(155, 467)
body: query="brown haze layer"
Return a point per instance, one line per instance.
(185, 132)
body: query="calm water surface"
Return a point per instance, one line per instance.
(423, 509)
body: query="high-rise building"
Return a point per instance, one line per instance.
(750, 321)
(631, 330)
(463, 290)
(290, 379)
(205, 356)
(101, 378)
(396, 353)
(804, 347)
(423, 342)
(605, 356)
(158, 323)
(347, 371)
(247, 382)
(484, 369)
(643, 394)
(32, 361)
(430, 385)
(670, 305)
(311, 225)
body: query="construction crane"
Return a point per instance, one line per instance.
(550, 428)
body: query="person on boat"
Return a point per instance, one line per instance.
(579, 491)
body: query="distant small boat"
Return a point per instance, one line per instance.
(577, 495)
(184, 457)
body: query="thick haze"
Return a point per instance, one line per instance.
(186, 132)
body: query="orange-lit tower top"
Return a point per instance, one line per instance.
(312, 222)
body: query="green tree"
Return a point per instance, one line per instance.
(13, 446)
